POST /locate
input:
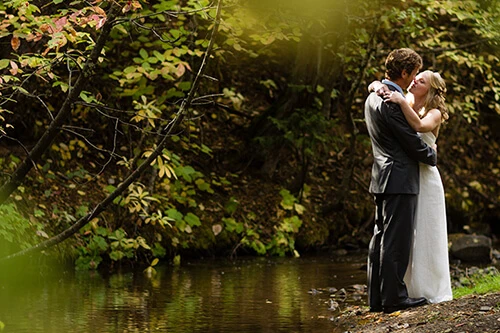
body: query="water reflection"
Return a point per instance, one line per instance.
(249, 295)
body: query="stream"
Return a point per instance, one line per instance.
(247, 295)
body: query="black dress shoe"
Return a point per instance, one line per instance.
(407, 303)
(376, 309)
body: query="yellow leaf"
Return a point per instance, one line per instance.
(167, 171)
(172, 172)
(155, 261)
(299, 208)
(42, 233)
(151, 122)
(150, 271)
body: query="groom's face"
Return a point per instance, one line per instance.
(407, 78)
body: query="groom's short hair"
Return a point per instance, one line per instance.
(399, 60)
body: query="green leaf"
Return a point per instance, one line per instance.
(175, 33)
(4, 63)
(258, 246)
(185, 86)
(116, 255)
(231, 206)
(159, 56)
(174, 214)
(102, 231)
(205, 149)
(203, 185)
(101, 243)
(110, 188)
(159, 251)
(181, 225)
(231, 225)
(86, 97)
(173, 92)
(288, 199)
(118, 235)
(21, 90)
(192, 220)
(185, 172)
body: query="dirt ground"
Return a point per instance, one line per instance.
(468, 314)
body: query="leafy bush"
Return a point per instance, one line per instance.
(16, 231)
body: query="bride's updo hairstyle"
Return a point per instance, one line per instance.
(435, 96)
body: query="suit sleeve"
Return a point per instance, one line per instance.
(410, 141)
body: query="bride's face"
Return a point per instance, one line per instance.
(420, 86)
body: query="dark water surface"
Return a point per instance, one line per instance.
(246, 296)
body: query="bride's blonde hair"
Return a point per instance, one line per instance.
(435, 96)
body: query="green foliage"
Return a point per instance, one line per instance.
(281, 240)
(102, 243)
(481, 282)
(16, 231)
(298, 68)
(307, 131)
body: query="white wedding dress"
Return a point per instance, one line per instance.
(428, 273)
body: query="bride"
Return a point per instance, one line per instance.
(428, 273)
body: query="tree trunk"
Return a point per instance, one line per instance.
(64, 112)
(167, 130)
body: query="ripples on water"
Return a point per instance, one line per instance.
(247, 296)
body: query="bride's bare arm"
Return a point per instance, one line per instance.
(431, 120)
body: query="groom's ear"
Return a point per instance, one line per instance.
(404, 74)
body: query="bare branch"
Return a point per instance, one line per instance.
(166, 132)
(64, 112)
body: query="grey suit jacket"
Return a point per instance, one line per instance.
(397, 148)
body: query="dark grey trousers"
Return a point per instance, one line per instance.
(389, 249)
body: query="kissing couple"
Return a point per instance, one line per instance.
(408, 254)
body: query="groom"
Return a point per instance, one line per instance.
(397, 149)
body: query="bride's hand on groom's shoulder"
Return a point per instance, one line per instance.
(393, 96)
(435, 147)
(378, 87)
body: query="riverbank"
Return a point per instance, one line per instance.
(468, 314)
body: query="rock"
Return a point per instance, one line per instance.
(471, 248)
(496, 254)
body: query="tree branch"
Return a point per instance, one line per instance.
(167, 130)
(64, 112)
